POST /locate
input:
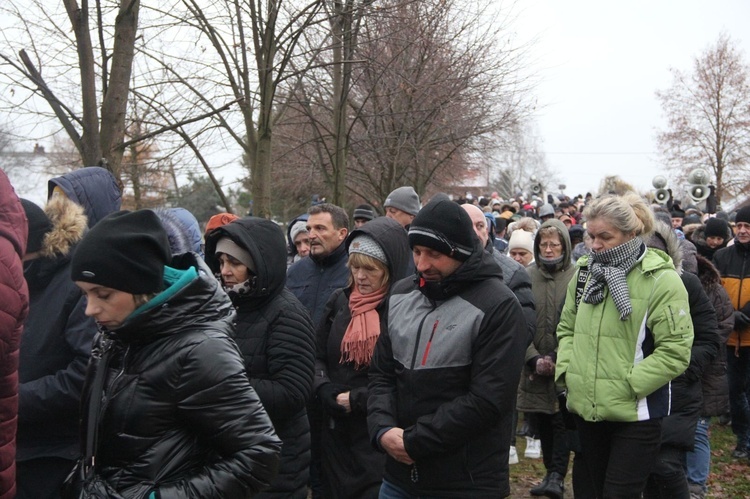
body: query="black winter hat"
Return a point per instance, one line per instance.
(39, 225)
(444, 226)
(743, 215)
(363, 211)
(126, 251)
(716, 227)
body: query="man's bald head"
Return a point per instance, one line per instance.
(478, 221)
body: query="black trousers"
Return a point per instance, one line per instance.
(619, 456)
(554, 438)
(668, 480)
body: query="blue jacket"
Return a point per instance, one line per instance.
(92, 187)
(313, 281)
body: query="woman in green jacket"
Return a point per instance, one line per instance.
(625, 332)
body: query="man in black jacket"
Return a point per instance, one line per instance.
(444, 375)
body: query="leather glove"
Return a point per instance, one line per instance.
(327, 395)
(741, 321)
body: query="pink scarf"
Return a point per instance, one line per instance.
(364, 328)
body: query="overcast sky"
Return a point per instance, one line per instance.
(600, 63)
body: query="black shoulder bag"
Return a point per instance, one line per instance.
(83, 482)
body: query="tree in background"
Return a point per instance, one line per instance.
(708, 118)
(432, 85)
(91, 111)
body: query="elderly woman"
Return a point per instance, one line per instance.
(168, 408)
(275, 336)
(625, 332)
(353, 319)
(550, 275)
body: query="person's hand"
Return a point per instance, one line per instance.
(392, 442)
(545, 366)
(328, 395)
(741, 321)
(342, 399)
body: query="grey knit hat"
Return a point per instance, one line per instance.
(405, 199)
(363, 211)
(367, 246)
(228, 246)
(299, 226)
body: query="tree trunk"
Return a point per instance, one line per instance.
(91, 151)
(115, 103)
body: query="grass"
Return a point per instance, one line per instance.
(728, 477)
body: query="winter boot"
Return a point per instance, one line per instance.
(555, 486)
(540, 489)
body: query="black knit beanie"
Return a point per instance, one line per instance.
(716, 227)
(444, 226)
(743, 215)
(126, 251)
(39, 225)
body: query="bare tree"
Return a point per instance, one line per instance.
(95, 120)
(520, 163)
(708, 118)
(431, 81)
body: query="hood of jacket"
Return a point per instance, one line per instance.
(198, 303)
(665, 239)
(264, 240)
(179, 239)
(68, 228)
(564, 239)
(13, 224)
(393, 239)
(191, 227)
(92, 187)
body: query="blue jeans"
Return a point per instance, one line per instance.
(738, 372)
(391, 491)
(698, 461)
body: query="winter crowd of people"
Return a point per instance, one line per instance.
(145, 355)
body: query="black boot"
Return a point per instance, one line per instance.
(555, 486)
(540, 489)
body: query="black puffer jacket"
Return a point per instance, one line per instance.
(178, 413)
(678, 429)
(276, 338)
(351, 466)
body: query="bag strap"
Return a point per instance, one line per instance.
(583, 276)
(95, 404)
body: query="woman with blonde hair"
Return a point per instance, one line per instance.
(625, 332)
(353, 320)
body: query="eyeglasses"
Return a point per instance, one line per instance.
(549, 245)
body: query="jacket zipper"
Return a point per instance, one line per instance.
(419, 336)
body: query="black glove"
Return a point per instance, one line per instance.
(327, 395)
(741, 321)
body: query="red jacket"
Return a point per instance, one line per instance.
(14, 306)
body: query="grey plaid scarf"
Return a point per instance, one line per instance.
(610, 268)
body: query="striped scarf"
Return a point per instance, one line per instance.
(610, 268)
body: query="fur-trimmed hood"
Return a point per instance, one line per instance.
(664, 238)
(707, 273)
(69, 224)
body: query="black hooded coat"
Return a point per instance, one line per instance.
(276, 338)
(351, 466)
